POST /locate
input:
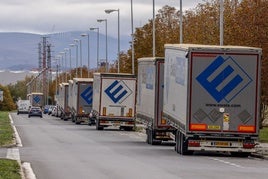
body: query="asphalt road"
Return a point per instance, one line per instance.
(58, 149)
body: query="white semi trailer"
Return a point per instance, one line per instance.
(212, 97)
(82, 97)
(63, 101)
(150, 88)
(114, 100)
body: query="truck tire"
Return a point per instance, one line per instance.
(184, 146)
(73, 118)
(178, 142)
(127, 128)
(76, 121)
(149, 136)
(98, 127)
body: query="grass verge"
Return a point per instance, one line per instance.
(9, 169)
(263, 136)
(6, 131)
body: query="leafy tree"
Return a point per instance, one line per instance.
(19, 90)
(7, 104)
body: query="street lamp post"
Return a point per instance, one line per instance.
(64, 64)
(181, 35)
(132, 39)
(60, 57)
(106, 52)
(108, 11)
(80, 45)
(153, 28)
(72, 45)
(98, 44)
(221, 21)
(88, 53)
(70, 58)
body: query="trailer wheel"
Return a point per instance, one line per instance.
(98, 127)
(128, 128)
(184, 145)
(76, 121)
(149, 136)
(178, 142)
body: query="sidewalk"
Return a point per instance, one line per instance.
(3, 152)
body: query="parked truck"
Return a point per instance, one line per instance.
(150, 88)
(70, 96)
(212, 97)
(36, 99)
(82, 96)
(63, 101)
(114, 100)
(23, 106)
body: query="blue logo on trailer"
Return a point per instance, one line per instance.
(36, 99)
(87, 95)
(118, 91)
(224, 79)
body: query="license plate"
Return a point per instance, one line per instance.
(221, 144)
(116, 123)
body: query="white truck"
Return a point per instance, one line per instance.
(36, 99)
(150, 88)
(70, 97)
(63, 101)
(114, 100)
(82, 97)
(23, 106)
(212, 97)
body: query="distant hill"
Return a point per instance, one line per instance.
(19, 51)
(11, 77)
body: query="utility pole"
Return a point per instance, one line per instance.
(44, 66)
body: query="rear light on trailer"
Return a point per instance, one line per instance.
(104, 111)
(163, 121)
(130, 112)
(103, 121)
(248, 145)
(246, 129)
(193, 143)
(197, 127)
(130, 123)
(80, 110)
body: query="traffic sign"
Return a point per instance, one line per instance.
(1, 95)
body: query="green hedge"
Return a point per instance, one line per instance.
(6, 131)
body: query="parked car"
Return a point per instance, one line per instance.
(35, 111)
(56, 111)
(46, 109)
(50, 109)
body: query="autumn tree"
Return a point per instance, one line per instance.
(7, 104)
(19, 90)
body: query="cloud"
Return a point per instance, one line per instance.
(65, 15)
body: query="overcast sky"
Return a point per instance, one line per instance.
(50, 16)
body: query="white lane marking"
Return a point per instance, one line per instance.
(18, 140)
(28, 171)
(228, 163)
(13, 153)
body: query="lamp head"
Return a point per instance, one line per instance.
(93, 28)
(84, 35)
(101, 20)
(108, 11)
